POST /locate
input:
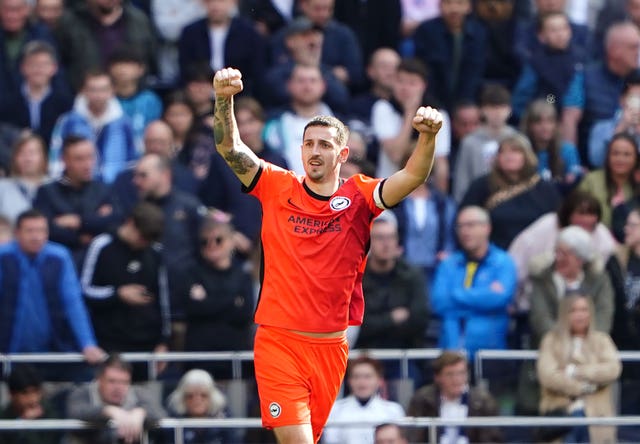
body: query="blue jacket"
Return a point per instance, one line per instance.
(476, 317)
(51, 273)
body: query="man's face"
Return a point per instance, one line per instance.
(408, 85)
(454, 12)
(148, 177)
(496, 115)
(80, 161)
(98, 91)
(13, 15)
(125, 72)
(49, 11)
(473, 231)
(318, 11)
(306, 85)
(465, 121)
(113, 386)
(219, 11)
(364, 382)
(321, 154)
(32, 234)
(384, 241)
(452, 380)
(383, 66)
(556, 32)
(38, 69)
(158, 139)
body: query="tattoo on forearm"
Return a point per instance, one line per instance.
(222, 123)
(239, 162)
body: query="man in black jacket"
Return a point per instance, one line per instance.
(125, 286)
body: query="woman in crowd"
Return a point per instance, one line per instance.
(180, 115)
(579, 208)
(219, 299)
(198, 397)
(577, 366)
(28, 172)
(573, 268)
(616, 182)
(558, 160)
(512, 192)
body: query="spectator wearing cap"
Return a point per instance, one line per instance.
(396, 302)
(340, 47)
(303, 41)
(224, 39)
(26, 401)
(572, 268)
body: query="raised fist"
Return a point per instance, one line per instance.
(427, 120)
(227, 82)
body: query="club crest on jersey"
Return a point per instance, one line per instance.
(275, 409)
(339, 203)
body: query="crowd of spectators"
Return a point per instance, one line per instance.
(122, 228)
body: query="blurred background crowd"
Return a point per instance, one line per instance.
(123, 230)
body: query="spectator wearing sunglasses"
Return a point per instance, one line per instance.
(219, 297)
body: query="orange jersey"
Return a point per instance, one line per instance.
(313, 249)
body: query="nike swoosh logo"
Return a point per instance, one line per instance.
(292, 204)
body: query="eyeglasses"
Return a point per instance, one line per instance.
(206, 241)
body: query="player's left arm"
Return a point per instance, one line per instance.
(427, 122)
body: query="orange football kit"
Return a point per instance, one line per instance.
(314, 249)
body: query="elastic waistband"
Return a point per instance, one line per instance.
(279, 331)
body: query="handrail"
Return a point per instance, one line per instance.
(481, 355)
(179, 424)
(236, 358)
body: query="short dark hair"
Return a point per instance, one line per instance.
(39, 47)
(447, 358)
(114, 360)
(366, 360)
(579, 201)
(22, 377)
(148, 219)
(93, 73)
(198, 72)
(494, 94)
(413, 65)
(71, 140)
(32, 213)
(251, 105)
(331, 122)
(126, 54)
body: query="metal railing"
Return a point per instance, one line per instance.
(529, 355)
(179, 425)
(236, 358)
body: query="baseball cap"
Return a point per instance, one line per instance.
(300, 25)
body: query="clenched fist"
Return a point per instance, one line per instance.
(227, 82)
(427, 120)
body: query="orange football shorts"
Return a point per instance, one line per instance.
(298, 377)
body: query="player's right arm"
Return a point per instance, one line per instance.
(245, 164)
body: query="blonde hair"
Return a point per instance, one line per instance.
(202, 379)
